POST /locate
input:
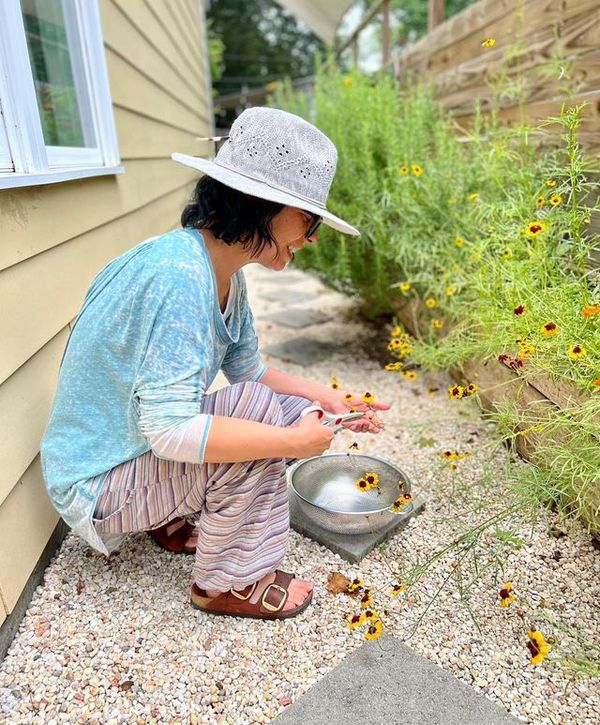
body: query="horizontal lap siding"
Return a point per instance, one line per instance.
(56, 238)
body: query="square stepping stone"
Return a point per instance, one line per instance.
(289, 296)
(352, 547)
(384, 681)
(301, 351)
(299, 318)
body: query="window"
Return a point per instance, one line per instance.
(56, 120)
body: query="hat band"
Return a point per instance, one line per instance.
(273, 186)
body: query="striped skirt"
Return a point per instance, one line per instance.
(241, 508)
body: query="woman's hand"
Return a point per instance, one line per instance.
(309, 437)
(338, 401)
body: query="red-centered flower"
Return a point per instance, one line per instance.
(519, 310)
(503, 358)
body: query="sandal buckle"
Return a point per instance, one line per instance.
(242, 596)
(271, 607)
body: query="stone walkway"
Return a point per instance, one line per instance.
(115, 641)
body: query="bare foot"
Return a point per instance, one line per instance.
(176, 525)
(298, 589)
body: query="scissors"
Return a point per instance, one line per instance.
(334, 421)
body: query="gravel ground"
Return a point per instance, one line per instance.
(112, 641)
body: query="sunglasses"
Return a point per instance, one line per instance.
(316, 223)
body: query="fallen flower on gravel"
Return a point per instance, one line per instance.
(366, 599)
(488, 43)
(537, 647)
(353, 446)
(506, 597)
(590, 311)
(548, 329)
(455, 392)
(355, 585)
(410, 375)
(432, 391)
(356, 620)
(397, 589)
(370, 615)
(448, 455)
(375, 629)
(394, 367)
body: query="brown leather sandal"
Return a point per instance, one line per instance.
(176, 541)
(237, 604)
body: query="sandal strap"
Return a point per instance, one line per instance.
(277, 589)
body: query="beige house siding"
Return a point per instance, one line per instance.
(56, 238)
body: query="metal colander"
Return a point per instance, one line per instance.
(325, 489)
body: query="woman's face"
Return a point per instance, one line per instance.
(288, 228)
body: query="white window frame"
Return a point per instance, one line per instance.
(21, 135)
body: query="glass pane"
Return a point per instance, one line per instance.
(57, 70)
(5, 158)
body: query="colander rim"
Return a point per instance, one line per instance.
(298, 464)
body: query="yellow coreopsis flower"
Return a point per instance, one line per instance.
(551, 183)
(375, 629)
(372, 479)
(355, 585)
(507, 253)
(368, 398)
(394, 367)
(473, 197)
(555, 199)
(526, 350)
(394, 344)
(356, 620)
(471, 389)
(404, 170)
(450, 290)
(334, 383)
(534, 228)
(371, 615)
(576, 351)
(540, 201)
(455, 392)
(417, 170)
(437, 324)
(410, 375)
(488, 43)
(430, 302)
(506, 597)
(362, 485)
(405, 287)
(397, 331)
(366, 600)
(459, 241)
(537, 647)
(548, 329)
(397, 589)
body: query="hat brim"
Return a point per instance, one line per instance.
(262, 190)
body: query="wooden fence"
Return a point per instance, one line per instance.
(547, 51)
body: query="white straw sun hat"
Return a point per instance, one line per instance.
(277, 156)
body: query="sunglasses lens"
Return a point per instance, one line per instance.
(313, 227)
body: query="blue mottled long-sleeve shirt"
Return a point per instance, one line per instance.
(145, 346)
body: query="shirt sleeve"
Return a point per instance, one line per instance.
(172, 376)
(242, 360)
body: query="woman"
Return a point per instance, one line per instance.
(134, 443)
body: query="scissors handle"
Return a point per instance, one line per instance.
(334, 421)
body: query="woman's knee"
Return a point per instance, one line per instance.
(255, 401)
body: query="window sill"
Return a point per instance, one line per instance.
(13, 180)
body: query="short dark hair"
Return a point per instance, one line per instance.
(232, 216)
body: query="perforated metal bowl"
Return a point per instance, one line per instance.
(325, 489)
